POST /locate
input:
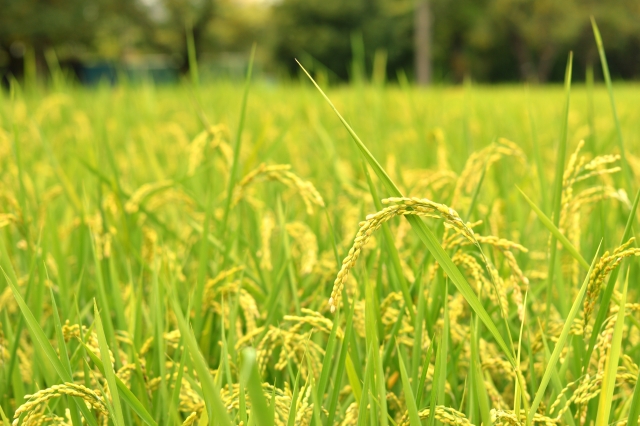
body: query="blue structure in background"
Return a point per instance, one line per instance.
(108, 72)
(92, 74)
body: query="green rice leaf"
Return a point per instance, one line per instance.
(558, 183)
(116, 416)
(634, 411)
(215, 407)
(64, 355)
(628, 174)
(562, 339)
(260, 412)
(478, 377)
(423, 374)
(412, 409)
(237, 145)
(611, 364)
(126, 393)
(3, 416)
(335, 392)
(354, 380)
(291, 421)
(556, 232)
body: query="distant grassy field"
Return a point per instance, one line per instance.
(171, 256)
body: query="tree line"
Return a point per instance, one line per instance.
(422, 40)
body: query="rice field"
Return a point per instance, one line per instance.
(235, 254)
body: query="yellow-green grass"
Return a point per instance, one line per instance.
(125, 241)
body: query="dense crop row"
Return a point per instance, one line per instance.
(174, 256)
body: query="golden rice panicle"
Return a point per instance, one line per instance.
(309, 193)
(223, 275)
(305, 245)
(471, 265)
(267, 225)
(442, 154)
(137, 198)
(39, 419)
(508, 418)
(281, 173)
(367, 228)
(426, 182)
(191, 419)
(290, 346)
(350, 415)
(446, 415)
(579, 169)
(480, 161)
(314, 319)
(573, 167)
(250, 177)
(196, 151)
(400, 206)
(7, 219)
(74, 331)
(51, 107)
(39, 399)
(606, 264)
(216, 135)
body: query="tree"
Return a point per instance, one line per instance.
(323, 30)
(103, 29)
(37, 25)
(422, 42)
(541, 32)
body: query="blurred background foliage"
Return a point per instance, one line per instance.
(486, 40)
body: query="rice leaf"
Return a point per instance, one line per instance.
(412, 409)
(627, 173)
(437, 379)
(354, 380)
(291, 421)
(191, 54)
(260, 411)
(236, 147)
(556, 382)
(557, 185)
(3, 416)
(335, 391)
(202, 267)
(537, 155)
(126, 393)
(117, 416)
(423, 374)
(175, 395)
(418, 331)
(215, 407)
(634, 411)
(372, 339)
(64, 356)
(562, 339)
(478, 377)
(611, 364)
(556, 232)
(363, 403)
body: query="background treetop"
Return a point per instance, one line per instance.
(486, 40)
